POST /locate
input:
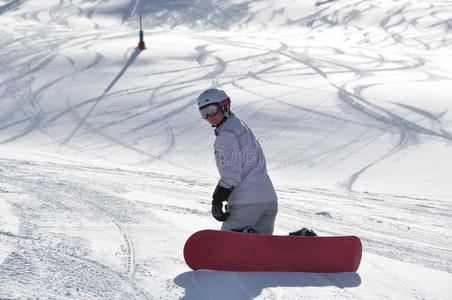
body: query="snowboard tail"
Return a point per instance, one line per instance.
(232, 251)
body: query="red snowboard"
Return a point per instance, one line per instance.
(232, 251)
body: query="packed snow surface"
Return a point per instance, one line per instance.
(106, 167)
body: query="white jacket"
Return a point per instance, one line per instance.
(241, 164)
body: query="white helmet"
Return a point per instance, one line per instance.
(211, 96)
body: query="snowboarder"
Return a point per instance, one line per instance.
(244, 183)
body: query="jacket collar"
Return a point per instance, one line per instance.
(220, 125)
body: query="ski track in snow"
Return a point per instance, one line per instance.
(43, 245)
(139, 111)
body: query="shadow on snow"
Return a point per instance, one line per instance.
(204, 284)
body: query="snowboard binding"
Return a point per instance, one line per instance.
(303, 232)
(246, 229)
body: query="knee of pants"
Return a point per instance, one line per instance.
(266, 225)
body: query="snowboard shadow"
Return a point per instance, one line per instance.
(205, 284)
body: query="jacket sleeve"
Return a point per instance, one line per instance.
(228, 157)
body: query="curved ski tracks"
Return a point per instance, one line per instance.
(45, 247)
(352, 92)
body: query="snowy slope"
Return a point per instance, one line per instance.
(106, 167)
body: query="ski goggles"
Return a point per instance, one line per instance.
(209, 110)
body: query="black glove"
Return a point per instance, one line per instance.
(219, 195)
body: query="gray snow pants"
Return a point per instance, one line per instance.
(259, 215)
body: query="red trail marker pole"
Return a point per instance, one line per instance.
(141, 44)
